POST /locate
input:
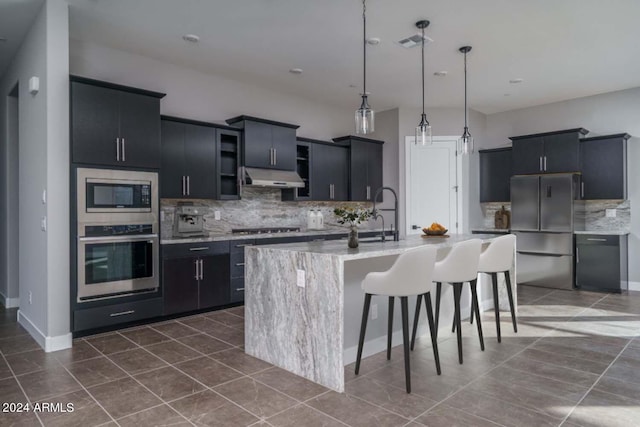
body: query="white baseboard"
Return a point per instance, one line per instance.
(49, 344)
(634, 286)
(9, 302)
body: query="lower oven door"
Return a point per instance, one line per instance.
(114, 266)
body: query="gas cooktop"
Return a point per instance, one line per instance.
(265, 230)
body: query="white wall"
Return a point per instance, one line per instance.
(609, 113)
(198, 96)
(42, 164)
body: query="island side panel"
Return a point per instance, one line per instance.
(295, 328)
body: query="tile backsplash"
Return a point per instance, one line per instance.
(259, 207)
(595, 214)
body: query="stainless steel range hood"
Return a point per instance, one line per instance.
(256, 177)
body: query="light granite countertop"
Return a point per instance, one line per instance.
(370, 248)
(228, 236)
(604, 232)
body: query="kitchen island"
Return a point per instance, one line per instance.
(303, 303)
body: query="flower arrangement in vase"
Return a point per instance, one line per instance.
(353, 216)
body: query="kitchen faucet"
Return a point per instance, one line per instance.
(396, 234)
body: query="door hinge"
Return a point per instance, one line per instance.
(455, 188)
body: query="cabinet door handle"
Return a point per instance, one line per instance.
(122, 313)
(368, 192)
(123, 150)
(275, 156)
(197, 264)
(201, 269)
(540, 163)
(240, 264)
(239, 289)
(596, 240)
(117, 149)
(577, 255)
(188, 185)
(582, 189)
(200, 248)
(271, 156)
(243, 245)
(184, 185)
(545, 163)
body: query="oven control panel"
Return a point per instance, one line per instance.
(117, 230)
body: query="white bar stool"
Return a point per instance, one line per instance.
(409, 275)
(459, 266)
(498, 258)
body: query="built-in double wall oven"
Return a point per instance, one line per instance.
(117, 235)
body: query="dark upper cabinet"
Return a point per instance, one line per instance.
(604, 167)
(303, 168)
(329, 172)
(365, 166)
(550, 152)
(267, 144)
(188, 168)
(228, 143)
(114, 125)
(495, 175)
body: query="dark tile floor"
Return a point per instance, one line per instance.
(574, 362)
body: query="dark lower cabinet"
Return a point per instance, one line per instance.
(116, 314)
(195, 276)
(601, 262)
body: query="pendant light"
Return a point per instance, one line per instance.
(465, 143)
(365, 116)
(423, 130)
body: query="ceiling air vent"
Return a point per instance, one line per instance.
(413, 41)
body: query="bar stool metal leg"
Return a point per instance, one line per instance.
(416, 317)
(437, 318)
(457, 290)
(390, 329)
(496, 303)
(474, 295)
(404, 302)
(434, 336)
(507, 278)
(363, 329)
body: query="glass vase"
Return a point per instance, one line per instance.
(353, 237)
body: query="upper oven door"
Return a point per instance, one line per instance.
(104, 192)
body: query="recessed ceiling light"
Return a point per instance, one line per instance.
(296, 71)
(514, 81)
(191, 38)
(373, 41)
(442, 73)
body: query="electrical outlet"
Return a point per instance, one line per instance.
(301, 278)
(611, 213)
(43, 223)
(161, 215)
(374, 311)
(44, 197)
(30, 297)
(216, 215)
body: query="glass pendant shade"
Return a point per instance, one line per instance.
(423, 132)
(365, 118)
(465, 143)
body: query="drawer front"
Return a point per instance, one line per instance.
(194, 249)
(597, 239)
(237, 269)
(237, 289)
(237, 246)
(98, 317)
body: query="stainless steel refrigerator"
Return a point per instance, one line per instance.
(545, 211)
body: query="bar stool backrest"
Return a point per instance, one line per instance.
(410, 274)
(498, 257)
(460, 264)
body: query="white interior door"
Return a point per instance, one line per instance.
(433, 189)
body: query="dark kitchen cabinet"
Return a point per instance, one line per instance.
(303, 168)
(550, 152)
(329, 172)
(267, 144)
(114, 125)
(188, 168)
(365, 166)
(495, 175)
(604, 167)
(601, 262)
(195, 276)
(228, 143)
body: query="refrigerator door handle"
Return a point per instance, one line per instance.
(542, 254)
(549, 191)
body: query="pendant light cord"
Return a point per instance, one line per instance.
(423, 71)
(465, 91)
(364, 40)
